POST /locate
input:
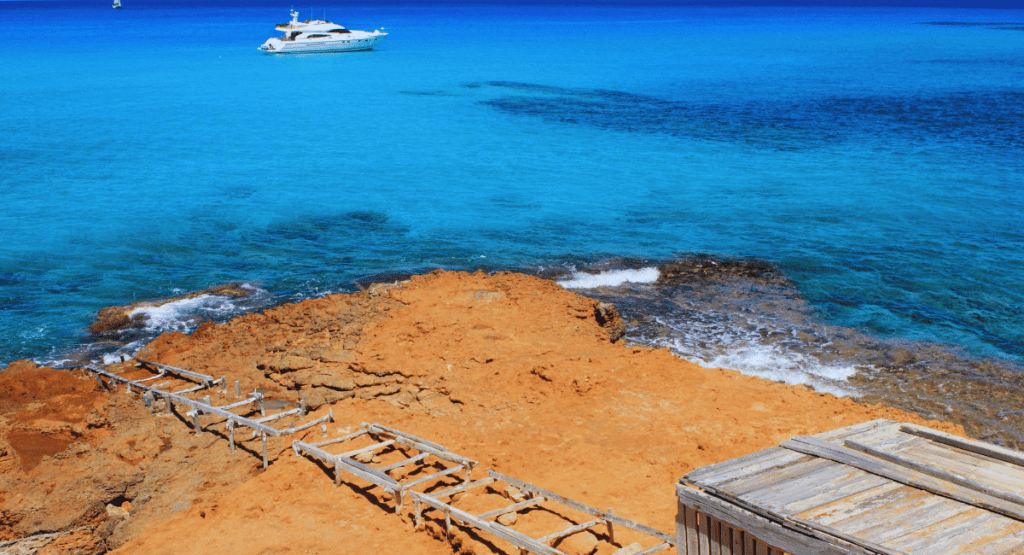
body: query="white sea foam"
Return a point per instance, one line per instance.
(714, 344)
(784, 366)
(611, 278)
(182, 315)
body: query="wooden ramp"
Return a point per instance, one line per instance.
(168, 375)
(532, 497)
(346, 462)
(880, 487)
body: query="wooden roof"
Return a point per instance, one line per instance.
(882, 487)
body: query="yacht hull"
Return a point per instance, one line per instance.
(277, 46)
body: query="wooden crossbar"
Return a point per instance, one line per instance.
(410, 460)
(199, 406)
(571, 530)
(608, 516)
(179, 371)
(512, 508)
(378, 476)
(377, 428)
(461, 488)
(537, 546)
(368, 449)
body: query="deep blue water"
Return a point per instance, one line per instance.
(873, 153)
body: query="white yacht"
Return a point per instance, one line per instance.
(318, 35)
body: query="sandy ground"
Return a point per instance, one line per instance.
(507, 369)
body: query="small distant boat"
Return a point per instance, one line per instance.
(319, 35)
(117, 5)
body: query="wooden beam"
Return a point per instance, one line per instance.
(755, 526)
(460, 488)
(978, 447)
(571, 530)
(433, 476)
(813, 446)
(512, 508)
(178, 371)
(937, 472)
(405, 462)
(368, 448)
(526, 487)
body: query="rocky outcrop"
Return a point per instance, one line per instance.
(115, 318)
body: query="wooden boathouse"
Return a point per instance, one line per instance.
(880, 487)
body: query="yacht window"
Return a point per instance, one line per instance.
(317, 36)
(339, 31)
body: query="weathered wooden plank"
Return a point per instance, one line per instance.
(404, 462)
(177, 398)
(737, 541)
(742, 466)
(999, 474)
(522, 540)
(773, 477)
(777, 495)
(1012, 542)
(368, 448)
(823, 494)
(793, 541)
(905, 502)
(570, 530)
(434, 476)
(890, 440)
(512, 508)
(398, 433)
(369, 474)
(726, 539)
(444, 507)
(278, 416)
(460, 488)
(813, 446)
(439, 453)
(887, 527)
(939, 473)
(329, 417)
(961, 529)
(703, 533)
(869, 544)
(848, 431)
(340, 439)
(982, 448)
(850, 506)
(748, 543)
(655, 549)
(691, 530)
(177, 371)
(715, 536)
(608, 516)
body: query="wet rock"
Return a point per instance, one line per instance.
(608, 318)
(116, 318)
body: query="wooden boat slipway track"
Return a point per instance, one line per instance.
(355, 462)
(880, 487)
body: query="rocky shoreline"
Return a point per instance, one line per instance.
(508, 367)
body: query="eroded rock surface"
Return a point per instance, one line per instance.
(511, 370)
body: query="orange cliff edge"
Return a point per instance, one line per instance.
(508, 369)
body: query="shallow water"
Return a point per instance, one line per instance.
(871, 155)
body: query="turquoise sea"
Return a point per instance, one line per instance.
(873, 155)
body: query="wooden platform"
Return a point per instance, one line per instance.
(878, 487)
